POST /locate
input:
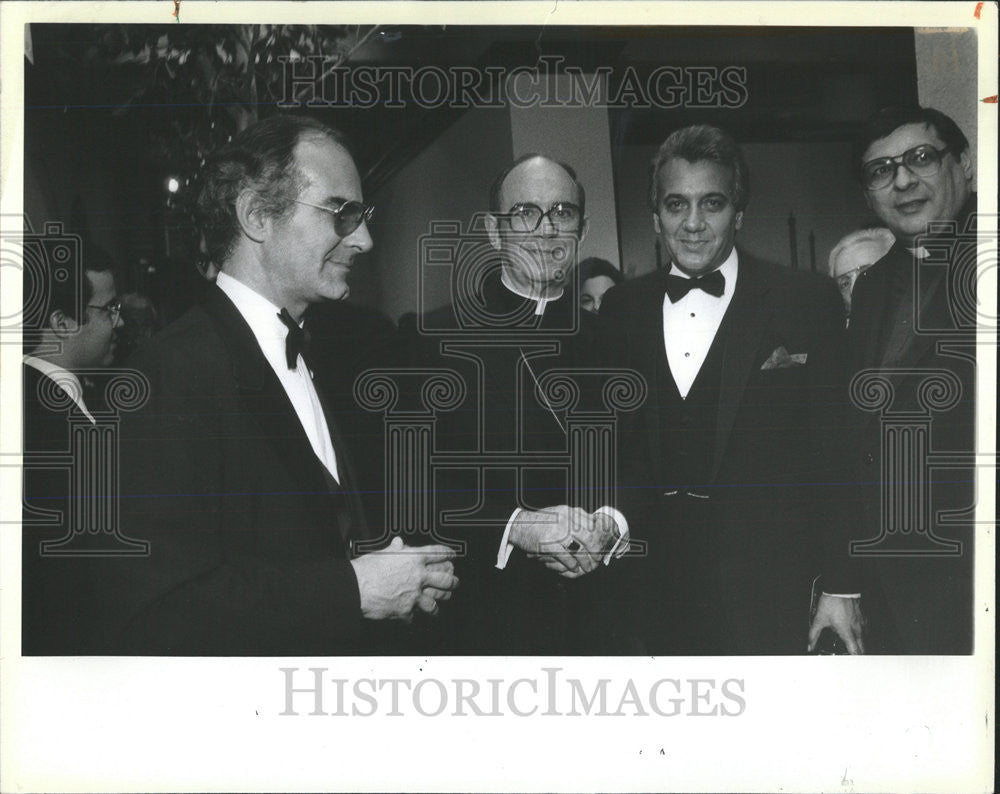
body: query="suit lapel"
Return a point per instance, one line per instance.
(264, 400)
(746, 321)
(651, 361)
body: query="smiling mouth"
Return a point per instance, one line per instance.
(911, 206)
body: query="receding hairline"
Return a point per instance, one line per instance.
(572, 179)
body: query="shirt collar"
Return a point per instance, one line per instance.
(258, 311)
(63, 378)
(728, 269)
(540, 302)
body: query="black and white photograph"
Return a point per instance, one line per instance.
(395, 393)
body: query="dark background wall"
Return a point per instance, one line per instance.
(87, 164)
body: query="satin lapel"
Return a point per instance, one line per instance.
(748, 317)
(651, 362)
(358, 527)
(265, 402)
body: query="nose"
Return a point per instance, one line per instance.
(361, 239)
(693, 221)
(548, 227)
(903, 178)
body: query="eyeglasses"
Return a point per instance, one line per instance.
(113, 309)
(526, 218)
(921, 161)
(347, 217)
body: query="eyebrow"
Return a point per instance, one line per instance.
(699, 198)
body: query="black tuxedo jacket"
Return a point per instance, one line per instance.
(51, 611)
(745, 557)
(927, 604)
(250, 539)
(524, 609)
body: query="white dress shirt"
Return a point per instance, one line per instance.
(690, 325)
(64, 379)
(262, 317)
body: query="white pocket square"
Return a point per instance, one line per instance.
(781, 359)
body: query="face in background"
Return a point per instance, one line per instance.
(695, 218)
(851, 263)
(908, 203)
(539, 262)
(93, 343)
(306, 260)
(592, 291)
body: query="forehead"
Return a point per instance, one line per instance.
(681, 177)
(595, 283)
(901, 139)
(538, 181)
(858, 255)
(328, 168)
(102, 282)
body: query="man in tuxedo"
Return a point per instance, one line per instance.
(235, 470)
(521, 525)
(717, 467)
(78, 339)
(913, 318)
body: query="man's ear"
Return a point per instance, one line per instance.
(584, 228)
(493, 230)
(966, 162)
(868, 200)
(62, 324)
(739, 220)
(656, 223)
(252, 219)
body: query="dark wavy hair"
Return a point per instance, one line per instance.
(702, 142)
(886, 121)
(502, 177)
(594, 266)
(261, 158)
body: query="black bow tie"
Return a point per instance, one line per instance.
(297, 340)
(713, 283)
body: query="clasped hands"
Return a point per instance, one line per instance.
(567, 540)
(398, 580)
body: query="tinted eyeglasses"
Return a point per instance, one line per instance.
(921, 161)
(112, 308)
(526, 218)
(347, 217)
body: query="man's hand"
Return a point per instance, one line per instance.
(567, 540)
(398, 579)
(844, 616)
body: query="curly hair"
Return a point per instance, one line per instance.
(262, 158)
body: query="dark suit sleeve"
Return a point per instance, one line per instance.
(829, 447)
(239, 562)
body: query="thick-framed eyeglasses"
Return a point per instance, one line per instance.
(921, 161)
(112, 308)
(347, 217)
(526, 218)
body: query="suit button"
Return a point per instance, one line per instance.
(869, 458)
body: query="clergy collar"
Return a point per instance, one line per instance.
(540, 302)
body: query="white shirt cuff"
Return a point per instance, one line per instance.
(842, 595)
(621, 545)
(506, 547)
